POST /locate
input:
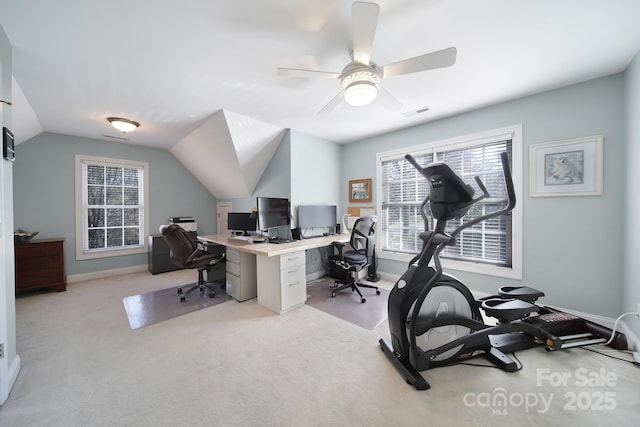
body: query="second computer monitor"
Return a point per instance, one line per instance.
(244, 222)
(272, 212)
(317, 216)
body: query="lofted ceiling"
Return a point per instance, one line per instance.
(173, 65)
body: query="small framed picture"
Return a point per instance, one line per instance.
(7, 145)
(360, 190)
(566, 168)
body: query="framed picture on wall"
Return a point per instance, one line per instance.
(566, 168)
(360, 190)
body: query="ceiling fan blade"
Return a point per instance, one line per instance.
(296, 72)
(430, 61)
(332, 104)
(365, 20)
(387, 100)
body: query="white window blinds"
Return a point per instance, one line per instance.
(404, 189)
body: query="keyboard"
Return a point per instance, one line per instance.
(250, 239)
(278, 241)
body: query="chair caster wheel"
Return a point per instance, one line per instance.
(363, 300)
(211, 294)
(333, 294)
(377, 292)
(183, 298)
(179, 291)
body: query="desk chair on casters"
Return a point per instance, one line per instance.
(187, 253)
(346, 265)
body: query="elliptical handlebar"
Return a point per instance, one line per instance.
(413, 162)
(508, 181)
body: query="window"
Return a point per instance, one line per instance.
(111, 200)
(491, 247)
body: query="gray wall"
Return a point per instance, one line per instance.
(572, 246)
(275, 181)
(44, 192)
(317, 169)
(631, 235)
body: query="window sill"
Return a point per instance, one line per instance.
(469, 267)
(109, 253)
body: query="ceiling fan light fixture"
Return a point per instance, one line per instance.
(360, 87)
(123, 125)
(359, 94)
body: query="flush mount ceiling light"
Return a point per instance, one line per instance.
(361, 86)
(123, 125)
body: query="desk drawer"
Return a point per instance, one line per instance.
(295, 259)
(294, 287)
(233, 255)
(233, 268)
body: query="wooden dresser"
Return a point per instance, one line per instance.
(40, 264)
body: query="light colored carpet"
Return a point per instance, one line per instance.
(241, 365)
(346, 304)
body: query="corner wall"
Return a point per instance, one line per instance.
(631, 237)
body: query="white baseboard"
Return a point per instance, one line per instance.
(73, 278)
(607, 322)
(632, 339)
(390, 277)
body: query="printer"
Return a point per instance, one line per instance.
(187, 222)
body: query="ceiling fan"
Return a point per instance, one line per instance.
(361, 78)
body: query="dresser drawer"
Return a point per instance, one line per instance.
(38, 251)
(37, 278)
(295, 259)
(40, 264)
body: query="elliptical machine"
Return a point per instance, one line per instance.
(433, 318)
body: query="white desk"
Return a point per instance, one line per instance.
(280, 268)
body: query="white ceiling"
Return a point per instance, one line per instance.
(171, 65)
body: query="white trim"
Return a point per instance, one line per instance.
(510, 132)
(632, 340)
(80, 220)
(74, 278)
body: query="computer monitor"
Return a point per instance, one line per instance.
(317, 216)
(272, 212)
(242, 221)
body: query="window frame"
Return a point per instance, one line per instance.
(80, 207)
(511, 132)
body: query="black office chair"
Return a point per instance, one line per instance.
(187, 253)
(346, 265)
